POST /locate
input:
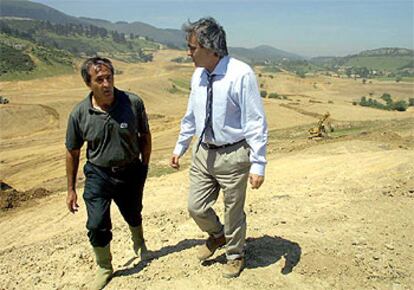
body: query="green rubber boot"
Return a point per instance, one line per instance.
(104, 270)
(140, 249)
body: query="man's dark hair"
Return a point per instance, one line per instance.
(209, 34)
(94, 61)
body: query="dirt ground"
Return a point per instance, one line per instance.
(332, 214)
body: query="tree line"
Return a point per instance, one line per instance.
(389, 105)
(70, 29)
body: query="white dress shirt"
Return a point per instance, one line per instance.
(237, 111)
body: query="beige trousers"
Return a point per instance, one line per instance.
(227, 169)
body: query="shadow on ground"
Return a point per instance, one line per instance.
(181, 246)
(265, 251)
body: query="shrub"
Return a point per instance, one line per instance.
(274, 96)
(396, 106)
(387, 98)
(263, 94)
(301, 74)
(173, 89)
(400, 106)
(411, 102)
(363, 102)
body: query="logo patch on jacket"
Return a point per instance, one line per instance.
(123, 125)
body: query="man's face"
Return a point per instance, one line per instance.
(201, 56)
(102, 82)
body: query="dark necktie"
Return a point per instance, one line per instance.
(208, 125)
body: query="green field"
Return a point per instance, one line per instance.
(182, 84)
(403, 79)
(41, 71)
(380, 62)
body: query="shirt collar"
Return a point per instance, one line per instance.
(91, 109)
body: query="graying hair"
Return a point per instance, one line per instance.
(94, 61)
(209, 34)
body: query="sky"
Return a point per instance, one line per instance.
(308, 28)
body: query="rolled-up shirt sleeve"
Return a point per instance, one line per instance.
(74, 139)
(253, 121)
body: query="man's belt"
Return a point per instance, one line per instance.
(212, 146)
(119, 169)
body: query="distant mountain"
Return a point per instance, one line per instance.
(171, 37)
(386, 61)
(25, 9)
(387, 51)
(262, 54)
(32, 10)
(384, 51)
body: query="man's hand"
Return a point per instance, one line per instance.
(175, 162)
(256, 180)
(72, 201)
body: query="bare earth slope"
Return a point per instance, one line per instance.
(332, 214)
(323, 220)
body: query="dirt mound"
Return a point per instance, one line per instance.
(23, 119)
(11, 198)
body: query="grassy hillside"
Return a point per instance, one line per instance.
(76, 38)
(43, 49)
(388, 63)
(33, 10)
(24, 59)
(16, 60)
(385, 63)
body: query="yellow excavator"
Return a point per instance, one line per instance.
(323, 127)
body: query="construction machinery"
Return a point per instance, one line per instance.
(322, 128)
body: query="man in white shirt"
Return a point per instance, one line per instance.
(226, 114)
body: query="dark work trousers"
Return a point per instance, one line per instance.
(102, 185)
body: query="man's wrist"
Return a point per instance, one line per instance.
(258, 169)
(179, 150)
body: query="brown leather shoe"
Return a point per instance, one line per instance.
(212, 244)
(233, 268)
